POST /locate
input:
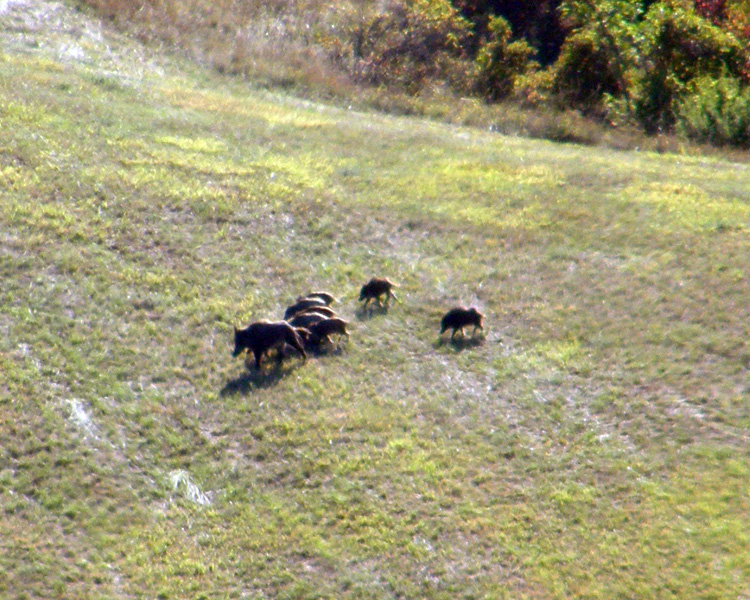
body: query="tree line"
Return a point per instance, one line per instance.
(679, 66)
(666, 65)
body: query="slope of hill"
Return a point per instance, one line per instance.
(593, 445)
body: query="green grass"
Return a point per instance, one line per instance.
(594, 445)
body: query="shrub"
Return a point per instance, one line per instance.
(679, 47)
(538, 23)
(716, 111)
(500, 62)
(406, 43)
(600, 55)
(584, 73)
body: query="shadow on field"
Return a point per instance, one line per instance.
(459, 344)
(269, 376)
(330, 349)
(256, 380)
(365, 314)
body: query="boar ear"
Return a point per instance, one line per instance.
(235, 329)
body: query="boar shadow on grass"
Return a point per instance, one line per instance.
(459, 344)
(253, 380)
(365, 314)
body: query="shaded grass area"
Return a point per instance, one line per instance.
(594, 444)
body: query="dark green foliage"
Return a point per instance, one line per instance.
(679, 46)
(412, 44)
(644, 55)
(584, 73)
(599, 56)
(536, 23)
(500, 61)
(716, 111)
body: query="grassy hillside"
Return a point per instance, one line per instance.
(595, 445)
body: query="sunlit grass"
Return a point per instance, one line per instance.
(689, 207)
(592, 444)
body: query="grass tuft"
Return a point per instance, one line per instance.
(180, 481)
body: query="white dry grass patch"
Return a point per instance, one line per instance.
(181, 482)
(57, 30)
(81, 418)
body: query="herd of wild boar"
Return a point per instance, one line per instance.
(310, 322)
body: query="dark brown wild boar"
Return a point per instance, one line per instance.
(327, 298)
(308, 318)
(374, 289)
(460, 317)
(321, 330)
(302, 305)
(262, 336)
